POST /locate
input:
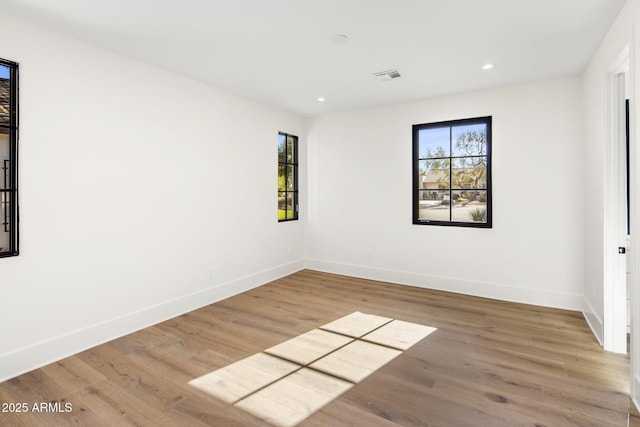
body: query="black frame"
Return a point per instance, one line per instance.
(286, 165)
(9, 166)
(627, 159)
(416, 171)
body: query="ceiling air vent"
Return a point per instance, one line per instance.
(387, 75)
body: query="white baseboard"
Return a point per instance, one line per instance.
(43, 353)
(504, 292)
(594, 321)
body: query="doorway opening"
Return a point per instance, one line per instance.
(617, 218)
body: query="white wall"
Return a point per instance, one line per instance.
(625, 31)
(143, 195)
(360, 189)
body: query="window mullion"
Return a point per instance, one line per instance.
(450, 174)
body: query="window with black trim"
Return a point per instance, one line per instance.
(287, 177)
(8, 158)
(452, 173)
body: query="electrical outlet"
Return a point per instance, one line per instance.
(288, 251)
(212, 272)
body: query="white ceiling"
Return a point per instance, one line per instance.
(284, 53)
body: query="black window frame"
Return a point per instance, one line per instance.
(293, 165)
(9, 180)
(486, 120)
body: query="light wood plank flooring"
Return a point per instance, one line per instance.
(490, 363)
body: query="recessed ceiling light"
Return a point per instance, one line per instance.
(321, 99)
(487, 66)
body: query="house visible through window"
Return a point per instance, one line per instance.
(452, 173)
(8, 158)
(287, 177)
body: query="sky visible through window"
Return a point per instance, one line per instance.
(435, 142)
(4, 72)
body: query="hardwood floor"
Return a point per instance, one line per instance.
(490, 363)
(634, 417)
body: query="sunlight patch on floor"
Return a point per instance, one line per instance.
(290, 381)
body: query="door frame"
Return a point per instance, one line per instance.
(634, 179)
(615, 233)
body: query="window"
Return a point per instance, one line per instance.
(287, 177)
(8, 158)
(452, 173)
